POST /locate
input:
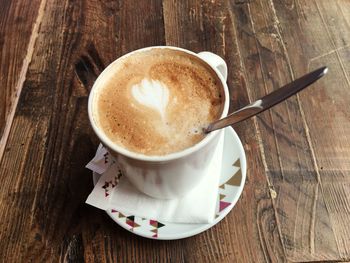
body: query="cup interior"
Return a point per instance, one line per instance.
(138, 156)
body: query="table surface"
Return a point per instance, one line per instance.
(295, 206)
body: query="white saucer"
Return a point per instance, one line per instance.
(232, 180)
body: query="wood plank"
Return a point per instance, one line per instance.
(336, 18)
(251, 233)
(332, 150)
(280, 130)
(289, 157)
(51, 140)
(19, 23)
(327, 127)
(287, 36)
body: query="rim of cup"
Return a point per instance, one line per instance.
(153, 158)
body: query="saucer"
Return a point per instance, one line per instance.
(232, 179)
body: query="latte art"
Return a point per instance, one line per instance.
(153, 94)
(157, 102)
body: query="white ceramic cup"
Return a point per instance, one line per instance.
(172, 175)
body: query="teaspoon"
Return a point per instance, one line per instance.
(269, 100)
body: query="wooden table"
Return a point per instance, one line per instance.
(295, 206)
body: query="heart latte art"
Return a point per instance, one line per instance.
(157, 101)
(153, 94)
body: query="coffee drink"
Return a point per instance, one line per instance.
(157, 101)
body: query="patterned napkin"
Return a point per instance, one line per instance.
(114, 191)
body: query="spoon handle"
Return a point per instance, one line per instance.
(269, 100)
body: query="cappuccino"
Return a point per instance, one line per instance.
(157, 101)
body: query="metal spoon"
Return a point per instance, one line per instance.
(269, 100)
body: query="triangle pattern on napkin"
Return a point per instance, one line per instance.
(198, 206)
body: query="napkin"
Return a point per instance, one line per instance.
(114, 191)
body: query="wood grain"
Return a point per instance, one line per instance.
(295, 204)
(51, 138)
(19, 23)
(326, 123)
(249, 233)
(271, 57)
(288, 159)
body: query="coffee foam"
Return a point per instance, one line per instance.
(153, 94)
(157, 102)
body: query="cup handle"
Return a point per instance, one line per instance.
(215, 61)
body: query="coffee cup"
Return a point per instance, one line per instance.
(157, 173)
